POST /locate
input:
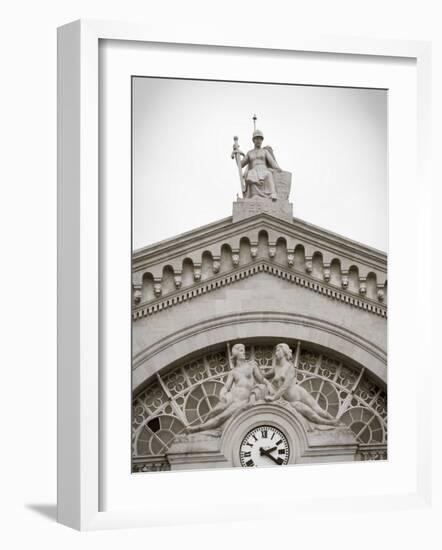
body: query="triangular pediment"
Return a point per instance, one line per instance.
(261, 267)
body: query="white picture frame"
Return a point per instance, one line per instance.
(80, 362)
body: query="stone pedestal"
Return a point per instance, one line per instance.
(245, 208)
(280, 208)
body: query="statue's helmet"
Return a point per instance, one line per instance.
(257, 133)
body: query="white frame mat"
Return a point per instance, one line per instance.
(84, 470)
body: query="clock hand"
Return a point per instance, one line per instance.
(278, 460)
(265, 451)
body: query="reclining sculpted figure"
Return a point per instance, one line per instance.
(284, 381)
(244, 386)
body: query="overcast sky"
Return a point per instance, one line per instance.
(333, 140)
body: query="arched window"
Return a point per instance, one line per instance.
(187, 393)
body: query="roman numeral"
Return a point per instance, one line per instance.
(247, 454)
(250, 463)
(264, 434)
(281, 451)
(278, 442)
(254, 436)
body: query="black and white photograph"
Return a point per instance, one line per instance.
(259, 274)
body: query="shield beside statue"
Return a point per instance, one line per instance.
(283, 183)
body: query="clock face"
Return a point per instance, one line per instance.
(264, 446)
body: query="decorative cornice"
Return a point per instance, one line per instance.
(204, 237)
(373, 452)
(150, 464)
(249, 270)
(167, 245)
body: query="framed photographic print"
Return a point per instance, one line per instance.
(229, 216)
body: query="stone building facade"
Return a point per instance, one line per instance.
(259, 277)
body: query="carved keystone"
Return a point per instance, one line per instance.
(290, 259)
(177, 280)
(216, 264)
(157, 286)
(137, 293)
(327, 272)
(381, 293)
(137, 285)
(196, 272)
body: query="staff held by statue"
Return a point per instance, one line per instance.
(236, 154)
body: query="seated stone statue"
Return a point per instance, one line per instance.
(286, 386)
(244, 386)
(260, 163)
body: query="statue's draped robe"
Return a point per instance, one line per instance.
(259, 179)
